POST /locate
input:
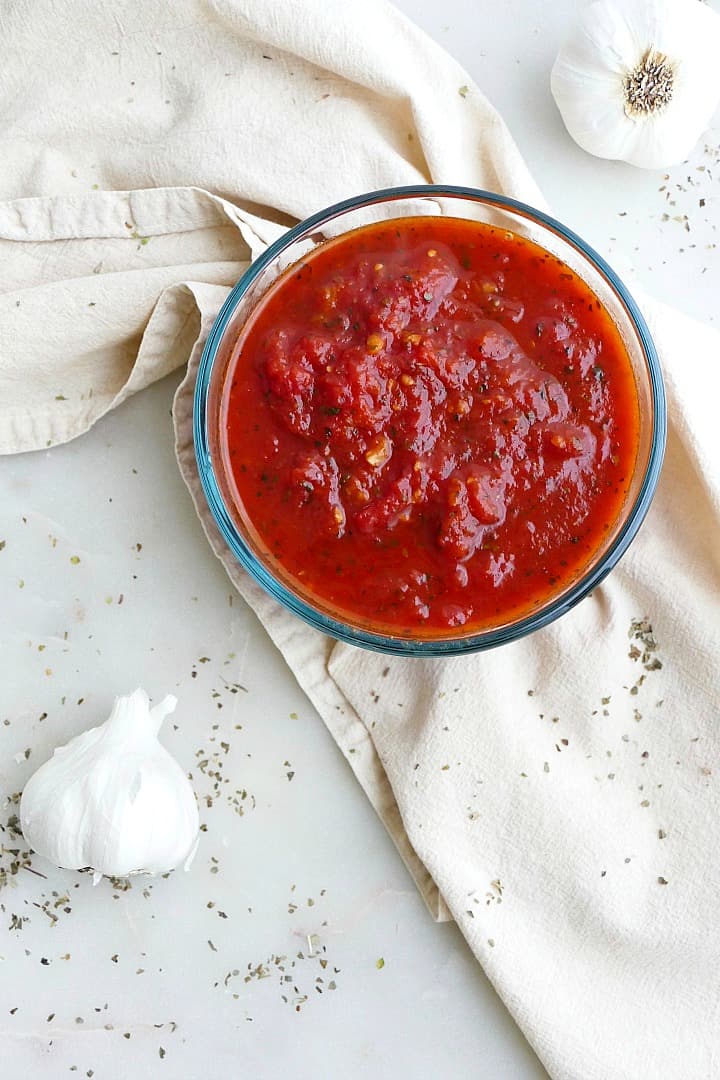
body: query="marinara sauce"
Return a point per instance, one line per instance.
(429, 424)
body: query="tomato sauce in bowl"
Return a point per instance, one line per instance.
(429, 426)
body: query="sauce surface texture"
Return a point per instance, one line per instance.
(430, 424)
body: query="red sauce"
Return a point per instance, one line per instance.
(429, 424)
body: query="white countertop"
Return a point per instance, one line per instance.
(184, 977)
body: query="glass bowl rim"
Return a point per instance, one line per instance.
(447, 646)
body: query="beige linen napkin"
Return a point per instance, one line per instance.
(556, 797)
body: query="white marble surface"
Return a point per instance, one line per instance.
(151, 982)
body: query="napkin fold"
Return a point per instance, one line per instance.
(556, 797)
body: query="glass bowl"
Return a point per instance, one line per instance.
(404, 202)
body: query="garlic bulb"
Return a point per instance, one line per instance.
(639, 80)
(113, 799)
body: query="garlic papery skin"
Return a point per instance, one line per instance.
(639, 80)
(113, 799)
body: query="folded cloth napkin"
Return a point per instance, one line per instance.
(556, 797)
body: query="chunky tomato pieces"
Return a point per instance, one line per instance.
(430, 424)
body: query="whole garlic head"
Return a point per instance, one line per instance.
(113, 799)
(639, 80)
